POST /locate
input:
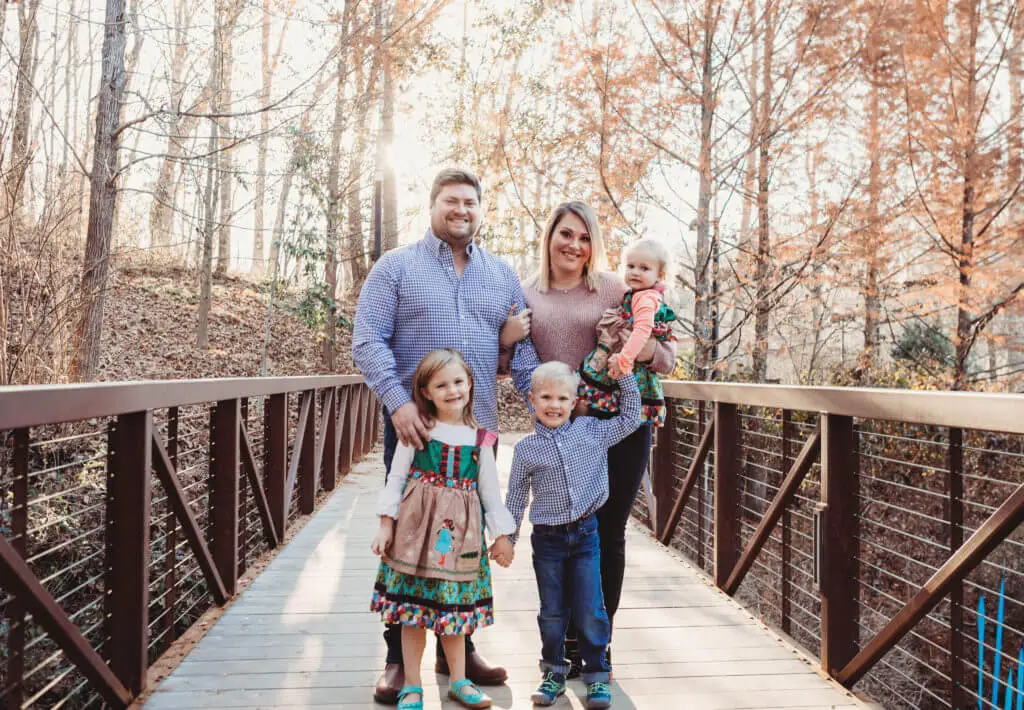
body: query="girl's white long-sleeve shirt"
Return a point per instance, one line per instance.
(496, 516)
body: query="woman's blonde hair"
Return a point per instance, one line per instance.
(432, 363)
(655, 249)
(592, 269)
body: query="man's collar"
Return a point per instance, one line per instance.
(549, 433)
(434, 244)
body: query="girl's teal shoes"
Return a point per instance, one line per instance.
(468, 694)
(404, 704)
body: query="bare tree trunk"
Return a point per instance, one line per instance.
(102, 195)
(762, 308)
(334, 193)
(160, 212)
(872, 300)
(750, 173)
(224, 56)
(702, 282)
(206, 266)
(256, 266)
(389, 212)
(1015, 130)
(355, 239)
(964, 324)
(20, 158)
(130, 64)
(72, 53)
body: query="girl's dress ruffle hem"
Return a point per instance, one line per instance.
(416, 609)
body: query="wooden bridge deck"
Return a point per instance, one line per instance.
(302, 636)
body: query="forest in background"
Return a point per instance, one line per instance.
(840, 181)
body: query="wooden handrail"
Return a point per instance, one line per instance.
(966, 410)
(32, 405)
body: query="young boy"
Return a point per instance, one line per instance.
(565, 464)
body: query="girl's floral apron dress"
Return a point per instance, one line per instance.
(436, 575)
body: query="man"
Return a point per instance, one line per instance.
(444, 291)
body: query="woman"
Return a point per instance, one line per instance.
(566, 300)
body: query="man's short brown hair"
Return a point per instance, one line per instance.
(454, 176)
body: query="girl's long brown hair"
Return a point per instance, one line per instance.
(432, 363)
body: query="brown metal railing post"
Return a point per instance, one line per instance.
(225, 456)
(376, 420)
(330, 461)
(347, 402)
(701, 482)
(243, 492)
(785, 586)
(364, 422)
(955, 515)
(129, 497)
(275, 459)
(358, 422)
(662, 472)
(171, 525)
(838, 543)
(307, 459)
(727, 447)
(19, 532)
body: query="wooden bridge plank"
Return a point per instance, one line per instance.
(302, 636)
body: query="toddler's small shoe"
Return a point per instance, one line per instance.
(599, 695)
(550, 689)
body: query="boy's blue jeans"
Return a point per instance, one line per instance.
(567, 563)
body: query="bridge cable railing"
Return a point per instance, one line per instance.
(879, 529)
(128, 510)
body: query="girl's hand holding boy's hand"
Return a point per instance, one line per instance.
(385, 534)
(516, 327)
(502, 551)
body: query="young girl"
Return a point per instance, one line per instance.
(642, 315)
(434, 573)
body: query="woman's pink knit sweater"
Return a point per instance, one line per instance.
(564, 322)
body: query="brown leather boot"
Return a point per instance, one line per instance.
(478, 669)
(389, 683)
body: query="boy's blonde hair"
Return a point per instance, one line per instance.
(432, 363)
(555, 372)
(655, 249)
(592, 269)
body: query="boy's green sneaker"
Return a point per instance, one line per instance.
(549, 689)
(599, 695)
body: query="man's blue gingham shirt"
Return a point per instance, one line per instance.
(414, 302)
(567, 467)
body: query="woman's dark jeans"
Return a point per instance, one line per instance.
(627, 462)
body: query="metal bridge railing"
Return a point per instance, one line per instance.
(128, 510)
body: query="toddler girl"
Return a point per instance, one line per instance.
(622, 333)
(434, 573)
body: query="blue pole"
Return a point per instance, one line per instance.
(981, 651)
(1008, 700)
(1020, 679)
(997, 661)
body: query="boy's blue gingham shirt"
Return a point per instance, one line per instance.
(413, 302)
(567, 467)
